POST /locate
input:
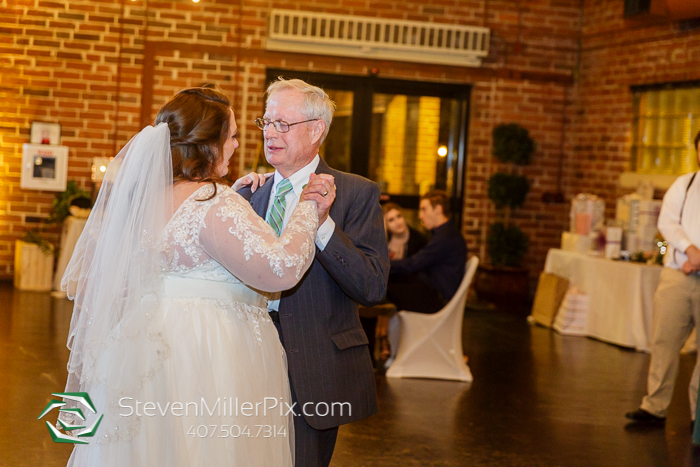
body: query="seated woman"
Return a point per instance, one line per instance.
(404, 241)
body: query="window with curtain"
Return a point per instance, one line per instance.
(666, 122)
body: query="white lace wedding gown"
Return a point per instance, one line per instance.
(215, 343)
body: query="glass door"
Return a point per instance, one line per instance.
(414, 142)
(335, 149)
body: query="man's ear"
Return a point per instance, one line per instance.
(317, 131)
(438, 209)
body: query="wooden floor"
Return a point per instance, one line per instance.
(538, 399)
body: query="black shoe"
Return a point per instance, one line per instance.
(642, 416)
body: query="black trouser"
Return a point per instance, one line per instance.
(312, 447)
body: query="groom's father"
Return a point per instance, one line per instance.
(329, 362)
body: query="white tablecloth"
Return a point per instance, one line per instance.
(620, 293)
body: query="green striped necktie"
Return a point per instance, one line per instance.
(275, 216)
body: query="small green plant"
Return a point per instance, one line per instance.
(512, 145)
(61, 210)
(62, 202)
(35, 236)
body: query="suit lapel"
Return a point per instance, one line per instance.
(323, 167)
(261, 198)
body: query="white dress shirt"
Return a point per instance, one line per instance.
(680, 229)
(298, 180)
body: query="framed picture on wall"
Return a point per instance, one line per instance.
(44, 167)
(45, 133)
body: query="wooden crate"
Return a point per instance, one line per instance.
(33, 268)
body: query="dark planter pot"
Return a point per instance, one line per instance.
(507, 288)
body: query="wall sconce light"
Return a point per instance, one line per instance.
(442, 151)
(99, 168)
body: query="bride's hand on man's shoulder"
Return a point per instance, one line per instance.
(253, 180)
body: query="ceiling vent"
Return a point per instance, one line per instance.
(383, 39)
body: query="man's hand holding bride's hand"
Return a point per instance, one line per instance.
(321, 188)
(253, 179)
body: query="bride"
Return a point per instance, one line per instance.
(170, 335)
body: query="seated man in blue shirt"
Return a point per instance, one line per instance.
(427, 280)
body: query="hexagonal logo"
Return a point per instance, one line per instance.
(77, 437)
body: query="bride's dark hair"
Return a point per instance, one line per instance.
(198, 119)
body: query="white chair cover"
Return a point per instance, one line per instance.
(430, 345)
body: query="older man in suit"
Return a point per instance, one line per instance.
(330, 369)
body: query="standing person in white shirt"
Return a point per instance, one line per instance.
(677, 298)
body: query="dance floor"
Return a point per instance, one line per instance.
(538, 399)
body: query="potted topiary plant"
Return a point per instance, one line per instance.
(501, 280)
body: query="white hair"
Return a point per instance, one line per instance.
(317, 104)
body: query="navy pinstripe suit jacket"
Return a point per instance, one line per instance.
(326, 347)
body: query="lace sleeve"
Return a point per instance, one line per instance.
(235, 236)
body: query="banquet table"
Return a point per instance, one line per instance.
(620, 295)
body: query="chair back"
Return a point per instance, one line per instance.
(459, 300)
(431, 344)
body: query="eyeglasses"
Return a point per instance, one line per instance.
(280, 125)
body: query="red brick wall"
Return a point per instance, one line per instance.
(60, 63)
(616, 54)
